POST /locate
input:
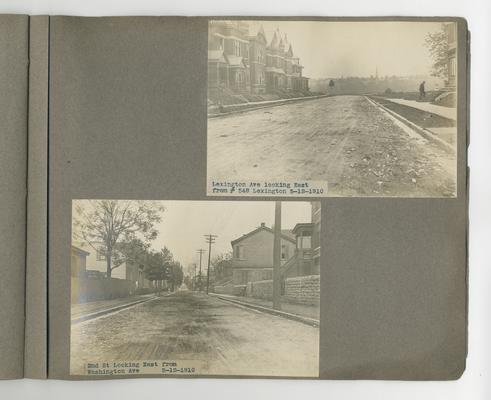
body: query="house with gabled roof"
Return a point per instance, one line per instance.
(253, 254)
(243, 62)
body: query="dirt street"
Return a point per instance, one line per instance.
(223, 338)
(346, 140)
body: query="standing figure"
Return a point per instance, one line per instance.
(422, 93)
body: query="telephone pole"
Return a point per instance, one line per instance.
(200, 251)
(194, 280)
(209, 239)
(277, 257)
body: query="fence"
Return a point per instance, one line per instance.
(90, 289)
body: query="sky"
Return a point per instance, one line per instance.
(335, 49)
(184, 224)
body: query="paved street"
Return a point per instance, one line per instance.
(223, 338)
(346, 140)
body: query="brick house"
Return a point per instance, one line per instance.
(252, 258)
(245, 63)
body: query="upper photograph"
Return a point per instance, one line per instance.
(332, 108)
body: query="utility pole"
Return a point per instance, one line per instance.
(194, 281)
(209, 239)
(277, 257)
(200, 251)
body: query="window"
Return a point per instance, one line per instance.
(304, 242)
(284, 252)
(267, 275)
(237, 48)
(239, 252)
(101, 254)
(244, 278)
(452, 70)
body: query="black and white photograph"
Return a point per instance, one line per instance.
(332, 108)
(195, 288)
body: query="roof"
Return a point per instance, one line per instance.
(289, 53)
(234, 61)
(302, 226)
(260, 35)
(80, 251)
(274, 42)
(281, 45)
(285, 234)
(261, 32)
(216, 55)
(289, 233)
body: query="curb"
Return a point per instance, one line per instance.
(96, 314)
(244, 107)
(427, 134)
(295, 317)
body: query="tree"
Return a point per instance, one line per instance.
(437, 44)
(222, 264)
(108, 224)
(161, 266)
(177, 275)
(133, 251)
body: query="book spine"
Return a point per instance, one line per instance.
(35, 359)
(13, 174)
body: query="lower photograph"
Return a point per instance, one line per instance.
(205, 288)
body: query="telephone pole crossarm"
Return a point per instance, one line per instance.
(200, 251)
(210, 239)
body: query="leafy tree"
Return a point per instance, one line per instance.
(133, 251)
(437, 44)
(158, 267)
(108, 224)
(222, 264)
(188, 281)
(177, 275)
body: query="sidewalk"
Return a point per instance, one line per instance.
(297, 309)
(81, 310)
(445, 112)
(255, 105)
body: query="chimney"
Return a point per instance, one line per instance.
(263, 224)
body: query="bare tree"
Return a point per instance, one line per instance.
(437, 44)
(108, 224)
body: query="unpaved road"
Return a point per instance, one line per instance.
(221, 337)
(346, 140)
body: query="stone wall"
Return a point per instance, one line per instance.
(234, 290)
(303, 289)
(260, 289)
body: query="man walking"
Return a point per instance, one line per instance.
(422, 93)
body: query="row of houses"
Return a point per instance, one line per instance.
(246, 62)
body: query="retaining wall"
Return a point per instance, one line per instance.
(234, 290)
(301, 289)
